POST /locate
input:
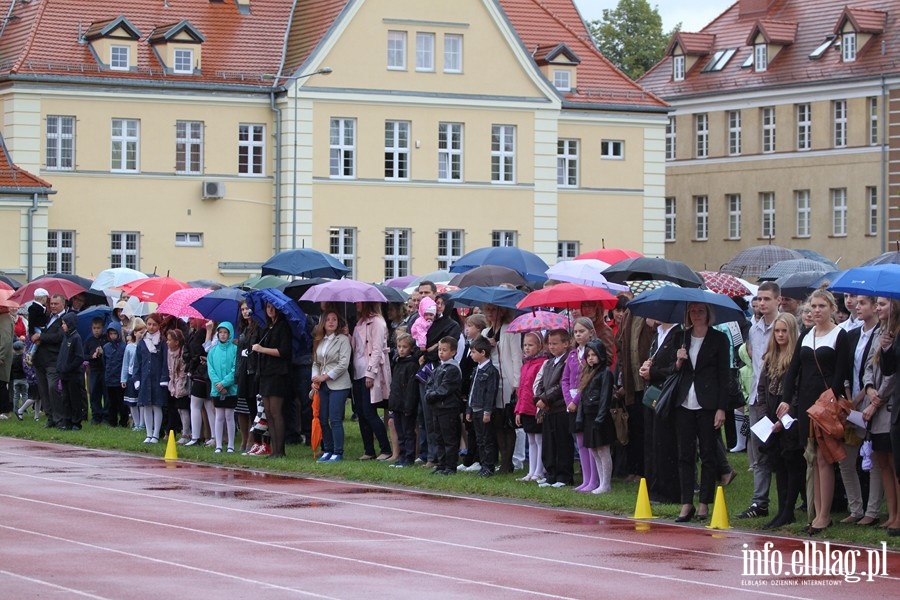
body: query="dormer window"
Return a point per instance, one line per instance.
(113, 43)
(184, 60)
(761, 57)
(119, 58)
(559, 64)
(562, 80)
(678, 68)
(848, 46)
(178, 47)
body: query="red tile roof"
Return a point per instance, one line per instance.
(816, 20)
(312, 20)
(863, 21)
(542, 23)
(774, 32)
(692, 44)
(14, 178)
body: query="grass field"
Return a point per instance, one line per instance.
(300, 462)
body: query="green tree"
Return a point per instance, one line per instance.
(631, 36)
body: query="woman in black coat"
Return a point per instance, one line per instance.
(274, 353)
(596, 388)
(704, 361)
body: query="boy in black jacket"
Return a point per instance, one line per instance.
(403, 401)
(71, 374)
(443, 393)
(93, 350)
(483, 394)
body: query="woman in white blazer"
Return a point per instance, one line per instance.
(331, 358)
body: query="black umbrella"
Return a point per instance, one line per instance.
(298, 287)
(488, 275)
(753, 261)
(888, 258)
(794, 265)
(14, 284)
(206, 283)
(82, 281)
(392, 294)
(637, 269)
(797, 285)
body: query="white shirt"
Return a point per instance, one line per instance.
(859, 357)
(691, 402)
(759, 339)
(851, 324)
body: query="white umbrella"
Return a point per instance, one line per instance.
(587, 271)
(116, 277)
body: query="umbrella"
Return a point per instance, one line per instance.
(567, 295)
(487, 275)
(82, 281)
(220, 305)
(798, 285)
(262, 282)
(296, 318)
(527, 264)
(669, 304)
(825, 279)
(609, 255)
(392, 294)
(84, 318)
(639, 287)
(818, 257)
(755, 260)
(154, 289)
(343, 290)
(206, 283)
(439, 276)
(315, 433)
(539, 320)
(178, 304)
(653, 268)
(7, 305)
(876, 280)
(401, 282)
(13, 283)
(794, 265)
(724, 283)
(586, 271)
(305, 262)
(115, 277)
(51, 284)
(478, 295)
(892, 257)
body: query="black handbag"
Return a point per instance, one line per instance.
(668, 396)
(509, 411)
(734, 391)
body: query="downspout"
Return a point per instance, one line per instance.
(294, 176)
(884, 162)
(31, 211)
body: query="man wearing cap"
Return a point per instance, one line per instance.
(48, 340)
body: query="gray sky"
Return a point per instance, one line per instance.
(692, 15)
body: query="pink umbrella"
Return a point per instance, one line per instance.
(539, 320)
(178, 304)
(343, 290)
(154, 289)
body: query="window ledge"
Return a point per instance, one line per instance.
(731, 239)
(800, 237)
(838, 236)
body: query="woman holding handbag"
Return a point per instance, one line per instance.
(821, 361)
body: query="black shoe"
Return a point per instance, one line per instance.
(485, 473)
(817, 530)
(754, 511)
(448, 472)
(63, 427)
(76, 427)
(687, 517)
(50, 425)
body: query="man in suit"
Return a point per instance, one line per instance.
(48, 341)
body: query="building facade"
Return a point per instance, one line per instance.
(200, 137)
(781, 131)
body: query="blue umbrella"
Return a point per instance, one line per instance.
(477, 295)
(89, 314)
(220, 305)
(528, 265)
(305, 262)
(877, 280)
(295, 317)
(669, 304)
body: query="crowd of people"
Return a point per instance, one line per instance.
(456, 391)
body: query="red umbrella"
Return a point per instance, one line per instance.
(178, 304)
(53, 286)
(724, 283)
(154, 289)
(609, 255)
(5, 286)
(567, 295)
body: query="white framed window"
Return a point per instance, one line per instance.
(567, 163)
(562, 80)
(189, 147)
(189, 239)
(504, 237)
(342, 246)
(61, 251)
(701, 218)
(612, 149)
(566, 250)
(396, 149)
(119, 58)
(342, 148)
(839, 212)
(801, 205)
(503, 154)
(760, 57)
(396, 252)
(734, 132)
(873, 121)
(670, 219)
(184, 60)
(871, 210)
(701, 134)
(60, 142)
(733, 202)
(124, 157)
(449, 247)
(123, 249)
(453, 53)
(671, 133)
(424, 51)
(839, 110)
(251, 149)
(396, 50)
(804, 127)
(678, 67)
(768, 129)
(848, 46)
(767, 210)
(450, 151)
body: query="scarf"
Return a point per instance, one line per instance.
(152, 341)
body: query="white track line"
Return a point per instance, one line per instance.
(53, 585)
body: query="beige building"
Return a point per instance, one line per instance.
(778, 133)
(198, 138)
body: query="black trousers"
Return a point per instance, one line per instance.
(447, 430)
(634, 451)
(117, 412)
(406, 426)
(691, 426)
(74, 396)
(790, 478)
(558, 452)
(486, 440)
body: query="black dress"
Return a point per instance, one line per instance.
(274, 371)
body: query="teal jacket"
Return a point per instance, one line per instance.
(221, 362)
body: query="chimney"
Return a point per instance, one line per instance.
(748, 8)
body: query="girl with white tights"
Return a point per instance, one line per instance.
(596, 388)
(221, 362)
(533, 360)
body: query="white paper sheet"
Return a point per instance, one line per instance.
(787, 420)
(763, 429)
(856, 417)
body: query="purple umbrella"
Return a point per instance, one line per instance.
(343, 290)
(539, 320)
(401, 282)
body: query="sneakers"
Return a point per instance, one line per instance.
(336, 458)
(475, 467)
(485, 473)
(754, 511)
(324, 457)
(558, 484)
(261, 450)
(252, 450)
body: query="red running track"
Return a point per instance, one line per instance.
(100, 524)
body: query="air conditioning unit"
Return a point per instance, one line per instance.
(213, 190)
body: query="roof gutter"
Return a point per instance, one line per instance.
(249, 88)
